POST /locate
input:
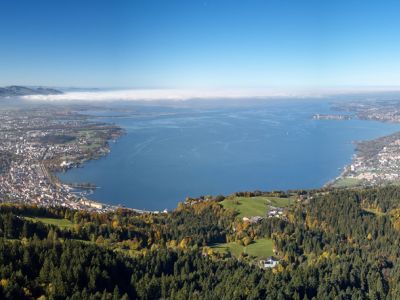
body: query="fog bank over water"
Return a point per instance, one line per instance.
(187, 94)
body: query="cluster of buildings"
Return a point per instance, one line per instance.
(385, 111)
(34, 139)
(376, 161)
(272, 212)
(275, 212)
(331, 117)
(382, 165)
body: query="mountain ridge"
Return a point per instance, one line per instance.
(17, 90)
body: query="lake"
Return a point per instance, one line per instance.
(170, 153)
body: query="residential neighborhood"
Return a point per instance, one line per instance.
(36, 143)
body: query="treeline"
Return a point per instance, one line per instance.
(341, 244)
(76, 270)
(187, 226)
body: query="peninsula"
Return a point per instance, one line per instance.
(331, 117)
(376, 162)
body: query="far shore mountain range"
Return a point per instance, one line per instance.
(15, 91)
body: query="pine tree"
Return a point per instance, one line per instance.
(116, 293)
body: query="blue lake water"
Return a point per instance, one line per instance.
(164, 158)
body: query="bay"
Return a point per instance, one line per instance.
(170, 153)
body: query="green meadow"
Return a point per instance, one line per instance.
(62, 223)
(261, 248)
(347, 182)
(254, 206)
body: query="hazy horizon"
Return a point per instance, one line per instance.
(99, 95)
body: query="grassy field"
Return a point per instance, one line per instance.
(254, 206)
(347, 182)
(62, 223)
(91, 137)
(261, 248)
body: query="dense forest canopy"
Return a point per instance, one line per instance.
(336, 244)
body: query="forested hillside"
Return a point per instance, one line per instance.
(337, 244)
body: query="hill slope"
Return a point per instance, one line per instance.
(336, 244)
(15, 91)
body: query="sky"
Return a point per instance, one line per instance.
(196, 45)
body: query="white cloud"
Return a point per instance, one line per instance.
(180, 94)
(158, 94)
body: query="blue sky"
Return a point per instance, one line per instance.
(200, 44)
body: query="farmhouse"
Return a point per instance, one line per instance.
(269, 263)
